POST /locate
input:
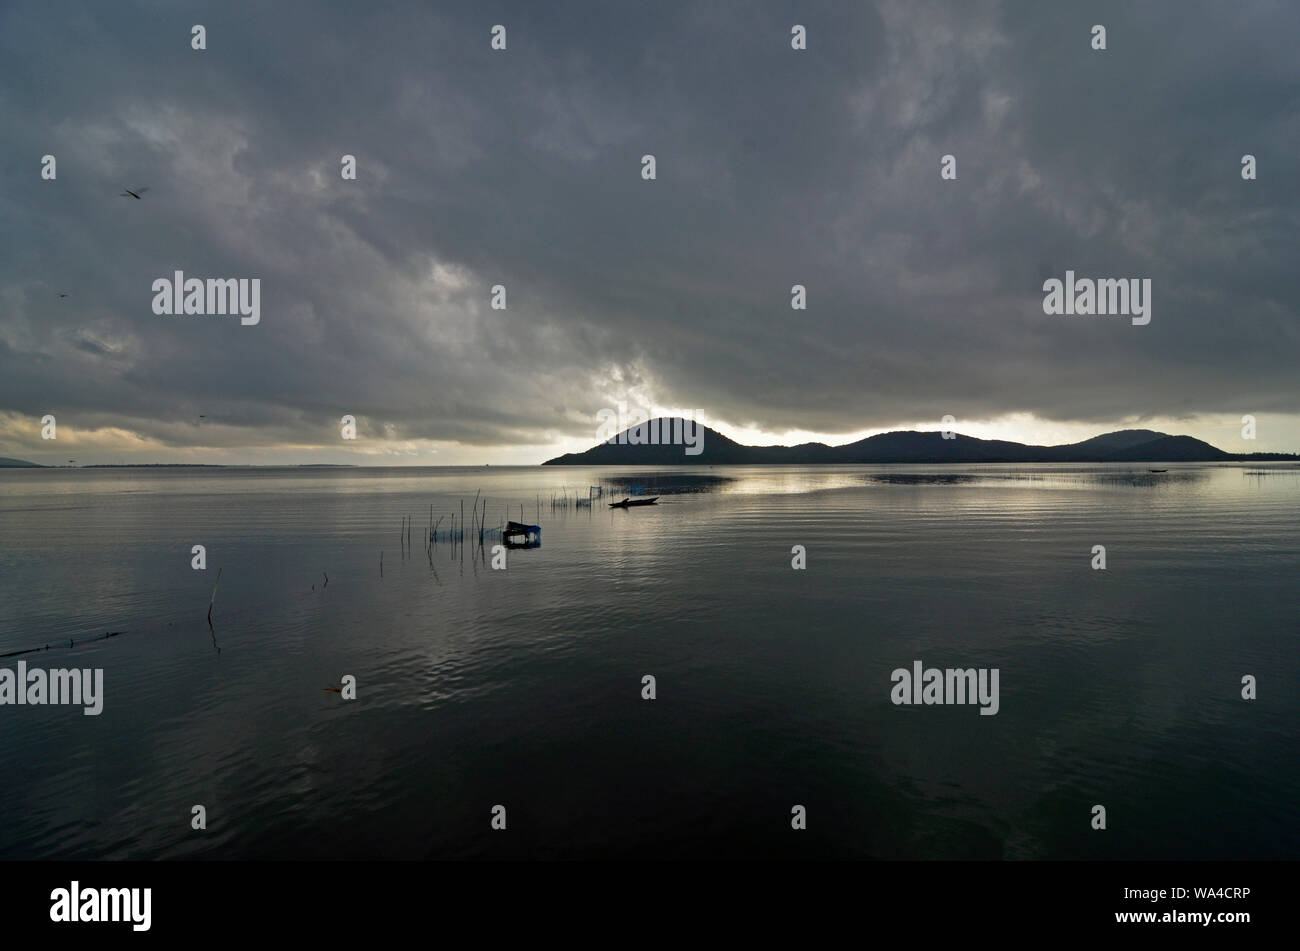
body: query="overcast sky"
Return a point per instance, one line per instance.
(523, 168)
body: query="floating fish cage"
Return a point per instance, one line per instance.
(519, 535)
(471, 528)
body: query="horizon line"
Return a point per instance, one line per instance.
(614, 440)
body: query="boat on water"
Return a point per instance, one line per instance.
(1157, 470)
(629, 503)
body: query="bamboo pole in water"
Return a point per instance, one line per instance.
(213, 600)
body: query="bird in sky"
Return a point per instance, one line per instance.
(133, 194)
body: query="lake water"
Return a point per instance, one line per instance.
(522, 687)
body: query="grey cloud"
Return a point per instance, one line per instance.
(522, 168)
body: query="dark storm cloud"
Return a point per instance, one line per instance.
(523, 168)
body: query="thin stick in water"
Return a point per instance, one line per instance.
(214, 593)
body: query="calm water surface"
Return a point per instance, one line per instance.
(523, 687)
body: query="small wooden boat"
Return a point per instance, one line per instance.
(629, 503)
(1157, 470)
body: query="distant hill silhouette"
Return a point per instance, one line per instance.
(1128, 445)
(18, 464)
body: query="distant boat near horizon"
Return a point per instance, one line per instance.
(632, 503)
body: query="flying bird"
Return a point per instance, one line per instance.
(133, 194)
